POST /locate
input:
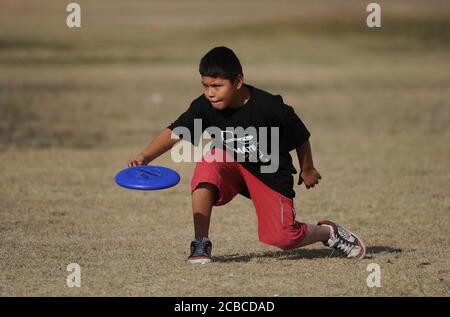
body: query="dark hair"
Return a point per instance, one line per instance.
(220, 62)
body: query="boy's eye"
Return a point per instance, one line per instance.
(214, 85)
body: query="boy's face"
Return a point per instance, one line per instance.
(221, 92)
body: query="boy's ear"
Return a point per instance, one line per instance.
(239, 81)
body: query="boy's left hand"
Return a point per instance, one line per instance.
(310, 176)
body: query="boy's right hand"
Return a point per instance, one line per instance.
(137, 160)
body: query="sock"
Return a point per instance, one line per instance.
(201, 239)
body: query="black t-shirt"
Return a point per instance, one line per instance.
(264, 112)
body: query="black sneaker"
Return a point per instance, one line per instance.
(344, 240)
(200, 251)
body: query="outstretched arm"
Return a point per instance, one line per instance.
(308, 173)
(163, 142)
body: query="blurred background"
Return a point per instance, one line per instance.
(108, 82)
(76, 103)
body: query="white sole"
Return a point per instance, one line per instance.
(199, 261)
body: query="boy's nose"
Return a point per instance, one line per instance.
(210, 93)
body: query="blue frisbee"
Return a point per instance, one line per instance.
(147, 177)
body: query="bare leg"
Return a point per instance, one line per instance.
(203, 198)
(315, 234)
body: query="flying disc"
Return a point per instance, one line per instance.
(147, 177)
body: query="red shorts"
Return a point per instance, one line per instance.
(276, 213)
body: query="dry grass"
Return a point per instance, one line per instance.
(75, 104)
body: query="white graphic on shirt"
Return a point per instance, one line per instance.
(245, 145)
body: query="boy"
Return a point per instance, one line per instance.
(228, 104)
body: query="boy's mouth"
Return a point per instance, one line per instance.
(215, 102)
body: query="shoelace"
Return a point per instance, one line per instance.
(346, 248)
(341, 245)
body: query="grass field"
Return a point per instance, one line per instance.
(75, 104)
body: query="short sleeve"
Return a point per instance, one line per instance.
(294, 132)
(190, 125)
